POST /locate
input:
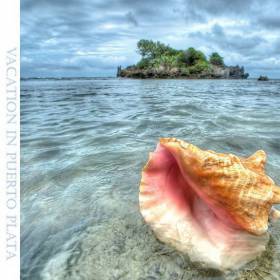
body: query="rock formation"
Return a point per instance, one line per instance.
(161, 72)
(263, 78)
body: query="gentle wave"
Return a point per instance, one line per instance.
(84, 142)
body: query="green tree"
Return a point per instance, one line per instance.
(143, 63)
(216, 59)
(199, 67)
(145, 48)
(162, 49)
(150, 49)
(193, 56)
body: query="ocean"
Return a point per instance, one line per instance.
(83, 145)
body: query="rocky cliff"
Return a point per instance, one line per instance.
(213, 72)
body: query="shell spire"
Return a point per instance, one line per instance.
(276, 195)
(256, 161)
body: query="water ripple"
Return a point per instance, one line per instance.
(84, 143)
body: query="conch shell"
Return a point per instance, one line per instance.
(212, 206)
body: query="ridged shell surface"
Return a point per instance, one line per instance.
(213, 206)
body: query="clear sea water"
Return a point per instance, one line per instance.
(83, 145)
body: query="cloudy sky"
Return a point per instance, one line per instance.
(92, 37)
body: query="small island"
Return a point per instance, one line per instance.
(161, 61)
(263, 78)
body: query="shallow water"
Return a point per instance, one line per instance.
(83, 144)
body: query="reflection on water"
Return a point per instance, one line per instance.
(84, 143)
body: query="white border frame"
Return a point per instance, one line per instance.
(10, 139)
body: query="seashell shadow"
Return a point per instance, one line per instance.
(90, 255)
(262, 267)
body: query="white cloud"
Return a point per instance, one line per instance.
(97, 34)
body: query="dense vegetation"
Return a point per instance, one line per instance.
(161, 61)
(190, 61)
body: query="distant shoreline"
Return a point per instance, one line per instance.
(184, 78)
(66, 78)
(114, 77)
